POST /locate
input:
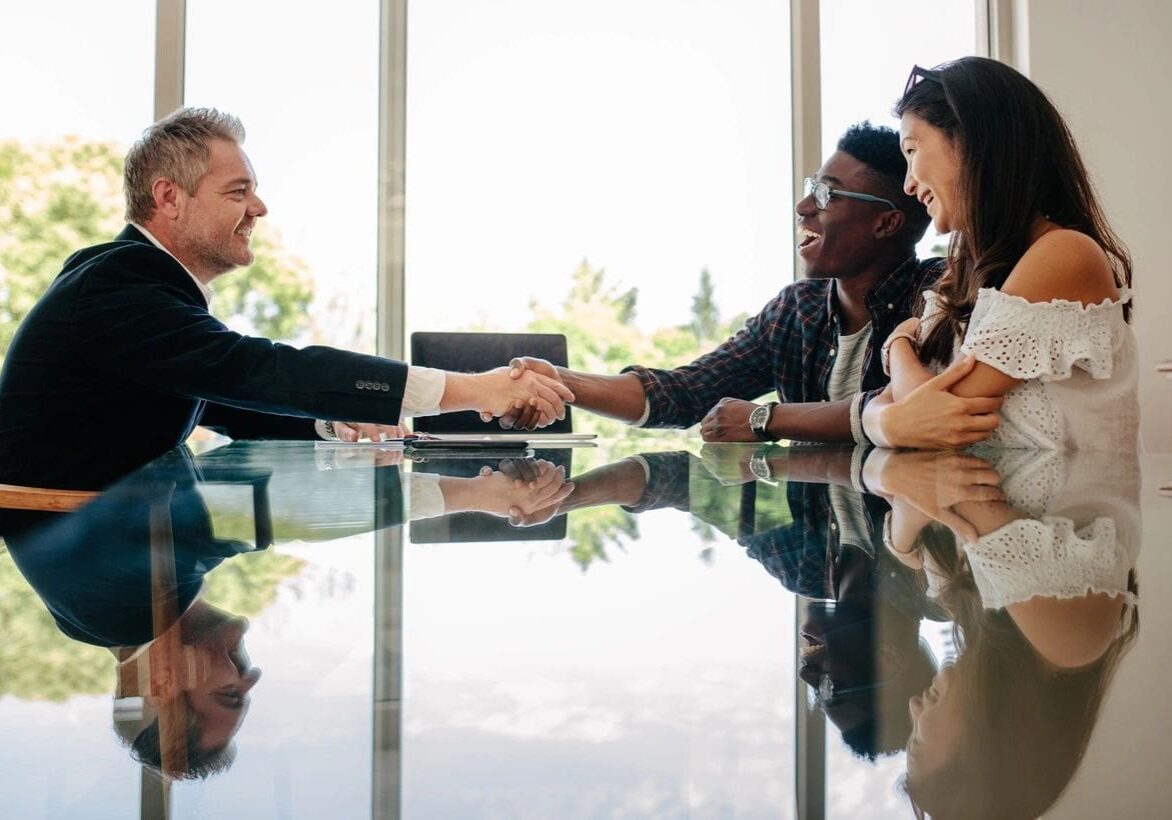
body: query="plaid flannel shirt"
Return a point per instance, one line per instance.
(788, 347)
(801, 555)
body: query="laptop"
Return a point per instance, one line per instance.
(474, 352)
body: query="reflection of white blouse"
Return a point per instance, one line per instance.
(1083, 535)
(1079, 364)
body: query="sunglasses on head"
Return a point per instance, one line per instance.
(918, 75)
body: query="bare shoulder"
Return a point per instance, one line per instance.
(1070, 632)
(1063, 264)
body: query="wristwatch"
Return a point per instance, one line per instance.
(759, 467)
(759, 420)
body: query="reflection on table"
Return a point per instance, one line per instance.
(572, 635)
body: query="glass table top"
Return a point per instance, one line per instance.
(290, 630)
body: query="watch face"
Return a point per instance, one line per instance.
(759, 417)
(759, 467)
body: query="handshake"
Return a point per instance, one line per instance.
(532, 395)
(528, 394)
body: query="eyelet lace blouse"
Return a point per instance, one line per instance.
(1082, 536)
(1079, 363)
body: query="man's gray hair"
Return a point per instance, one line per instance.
(178, 148)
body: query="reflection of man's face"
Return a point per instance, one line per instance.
(864, 659)
(198, 678)
(218, 696)
(839, 646)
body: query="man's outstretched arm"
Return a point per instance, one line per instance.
(623, 397)
(679, 396)
(618, 397)
(824, 421)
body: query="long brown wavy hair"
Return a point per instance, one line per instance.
(1025, 724)
(1018, 162)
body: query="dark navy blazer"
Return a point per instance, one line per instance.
(120, 359)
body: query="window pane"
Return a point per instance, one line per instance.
(305, 84)
(868, 50)
(70, 116)
(549, 142)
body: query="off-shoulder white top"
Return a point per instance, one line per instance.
(1083, 535)
(1080, 366)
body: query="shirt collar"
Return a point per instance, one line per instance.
(895, 288)
(204, 289)
(892, 290)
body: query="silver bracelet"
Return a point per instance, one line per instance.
(885, 350)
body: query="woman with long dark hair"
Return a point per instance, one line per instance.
(1033, 556)
(1037, 287)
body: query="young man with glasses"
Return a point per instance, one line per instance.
(817, 343)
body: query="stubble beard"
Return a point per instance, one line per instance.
(211, 258)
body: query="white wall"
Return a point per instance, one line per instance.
(1107, 65)
(1125, 772)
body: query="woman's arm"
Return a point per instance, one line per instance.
(1062, 264)
(907, 372)
(932, 418)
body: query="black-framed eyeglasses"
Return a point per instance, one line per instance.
(823, 193)
(919, 74)
(827, 694)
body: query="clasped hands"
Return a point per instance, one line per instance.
(528, 415)
(526, 491)
(930, 486)
(531, 392)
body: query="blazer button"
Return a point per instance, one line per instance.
(361, 385)
(386, 388)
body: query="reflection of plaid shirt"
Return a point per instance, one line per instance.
(788, 347)
(667, 482)
(799, 555)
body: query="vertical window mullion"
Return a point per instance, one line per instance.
(170, 53)
(806, 99)
(806, 79)
(392, 158)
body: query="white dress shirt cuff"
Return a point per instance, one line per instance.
(423, 392)
(425, 499)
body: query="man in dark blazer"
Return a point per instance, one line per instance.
(120, 359)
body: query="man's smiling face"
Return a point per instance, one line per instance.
(839, 241)
(216, 222)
